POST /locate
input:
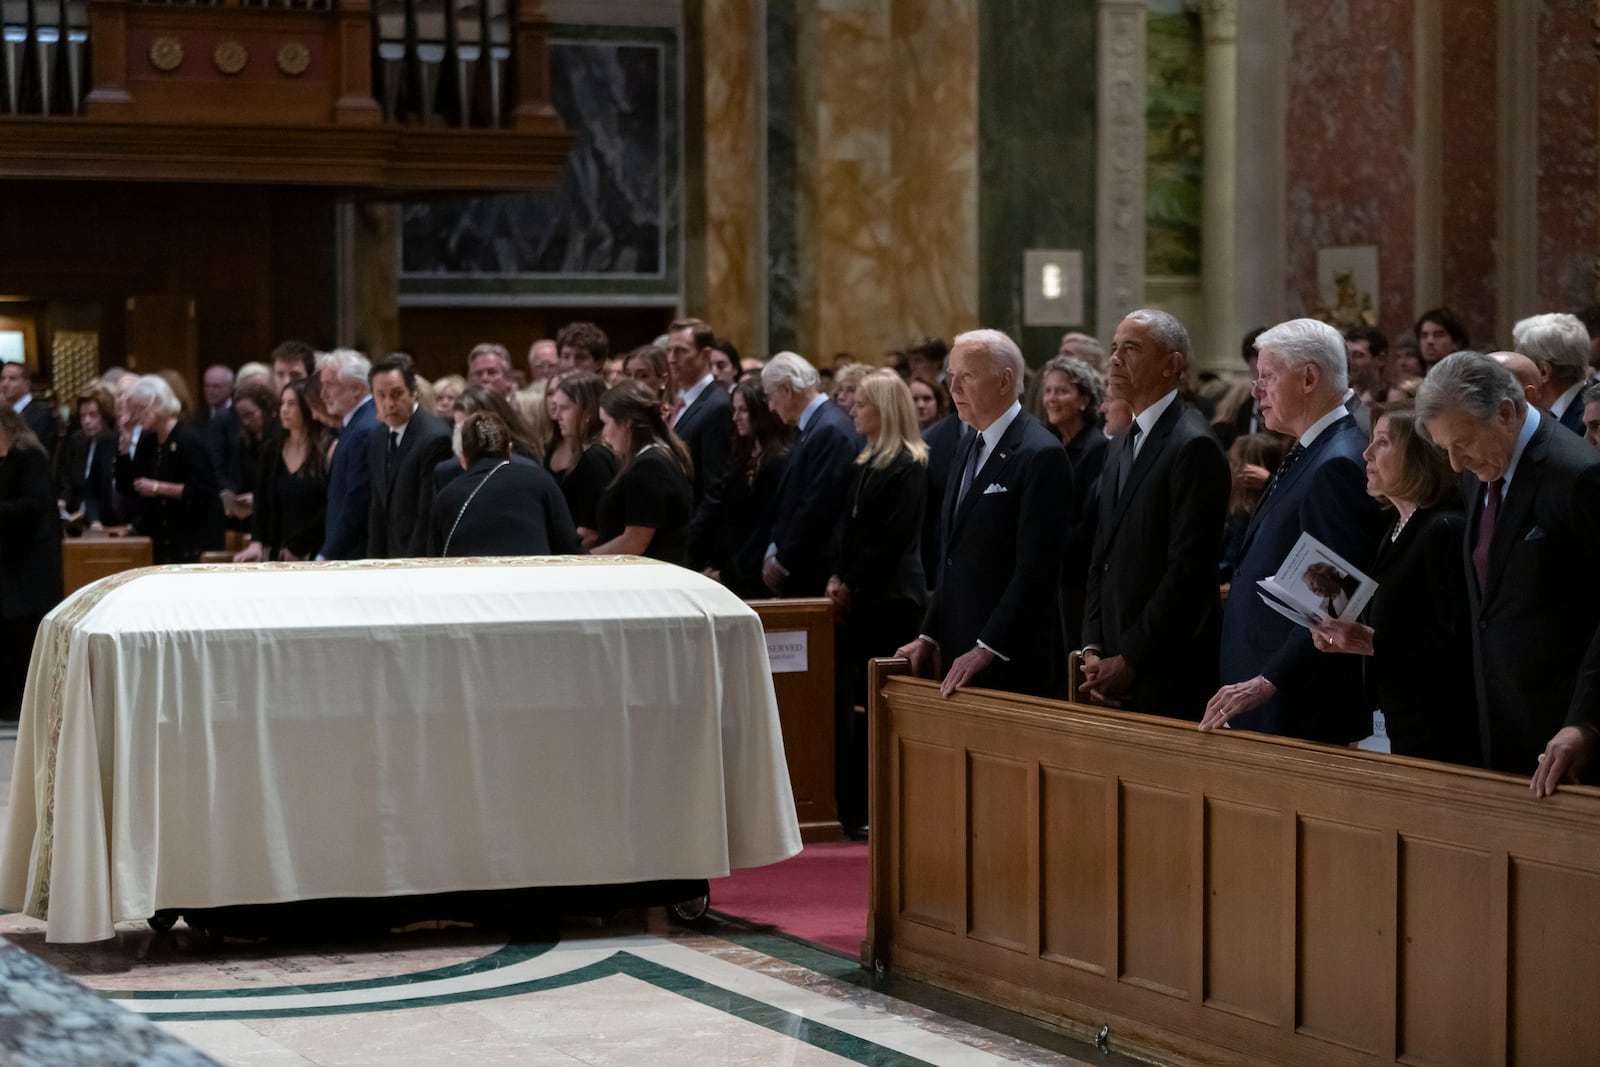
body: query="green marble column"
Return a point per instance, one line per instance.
(1036, 155)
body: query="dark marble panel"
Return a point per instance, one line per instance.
(783, 88)
(48, 1020)
(1036, 153)
(614, 221)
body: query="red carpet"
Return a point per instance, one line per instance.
(818, 896)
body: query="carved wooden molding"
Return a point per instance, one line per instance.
(1120, 180)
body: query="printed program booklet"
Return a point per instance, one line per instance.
(1316, 584)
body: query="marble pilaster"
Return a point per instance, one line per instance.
(1466, 255)
(1120, 218)
(1214, 347)
(1568, 158)
(369, 277)
(733, 286)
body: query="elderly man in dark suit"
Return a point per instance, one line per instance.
(702, 415)
(401, 456)
(997, 612)
(1152, 617)
(1533, 518)
(1558, 346)
(1273, 678)
(347, 395)
(811, 498)
(16, 389)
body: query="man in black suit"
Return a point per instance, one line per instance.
(1533, 517)
(1558, 345)
(401, 457)
(1274, 680)
(221, 424)
(997, 612)
(811, 497)
(702, 415)
(1152, 617)
(16, 389)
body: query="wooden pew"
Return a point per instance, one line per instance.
(804, 684)
(1229, 898)
(94, 556)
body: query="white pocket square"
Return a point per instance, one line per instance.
(994, 487)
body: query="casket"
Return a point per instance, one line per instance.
(197, 737)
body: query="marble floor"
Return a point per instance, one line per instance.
(637, 990)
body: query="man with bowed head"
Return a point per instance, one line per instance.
(1274, 680)
(1532, 493)
(996, 614)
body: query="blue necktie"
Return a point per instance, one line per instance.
(973, 463)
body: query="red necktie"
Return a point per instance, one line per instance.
(1480, 550)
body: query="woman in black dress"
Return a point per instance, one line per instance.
(1070, 393)
(257, 411)
(579, 463)
(502, 505)
(87, 497)
(739, 514)
(30, 552)
(880, 592)
(1416, 629)
(645, 510)
(171, 475)
(291, 496)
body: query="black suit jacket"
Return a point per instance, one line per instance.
(739, 517)
(1151, 595)
(706, 426)
(179, 529)
(880, 535)
(1572, 418)
(41, 419)
(1536, 624)
(30, 539)
(812, 499)
(944, 439)
(519, 511)
(1000, 571)
(402, 487)
(1319, 697)
(223, 432)
(1087, 454)
(1420, 674)
(88, 480)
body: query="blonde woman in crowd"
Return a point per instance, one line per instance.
(445, 392)
(880, 591)
(846, 380)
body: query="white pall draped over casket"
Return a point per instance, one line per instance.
(203, 736)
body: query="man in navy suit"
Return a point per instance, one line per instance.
(702, 415)
(1558, 345)
(1533, 516)
(996, 615)
(811, 497)
(346, 394)
(1151, 613)
(1273, 678)
(16, 389)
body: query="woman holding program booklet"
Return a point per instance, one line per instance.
(1415, 628)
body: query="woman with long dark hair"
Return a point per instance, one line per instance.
(739, 514)
(291, 496)
(645, 510)
(581, 465)
(30, 552)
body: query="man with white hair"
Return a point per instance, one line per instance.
(1274, 680)
(1533, 515)
(811, 497)
(489, 365)
(996, 614)
(1558, 344)
(347, 396)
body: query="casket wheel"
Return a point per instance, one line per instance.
(690, 910)
(162, 921)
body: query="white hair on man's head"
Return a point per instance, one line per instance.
(351, 365)
(1556, 340)
(788, 368)
(1471, 382)
(1165, 328)
(1301, 341)
(153, 390)
(1002, 351)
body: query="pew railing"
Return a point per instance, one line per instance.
(1226, 897)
